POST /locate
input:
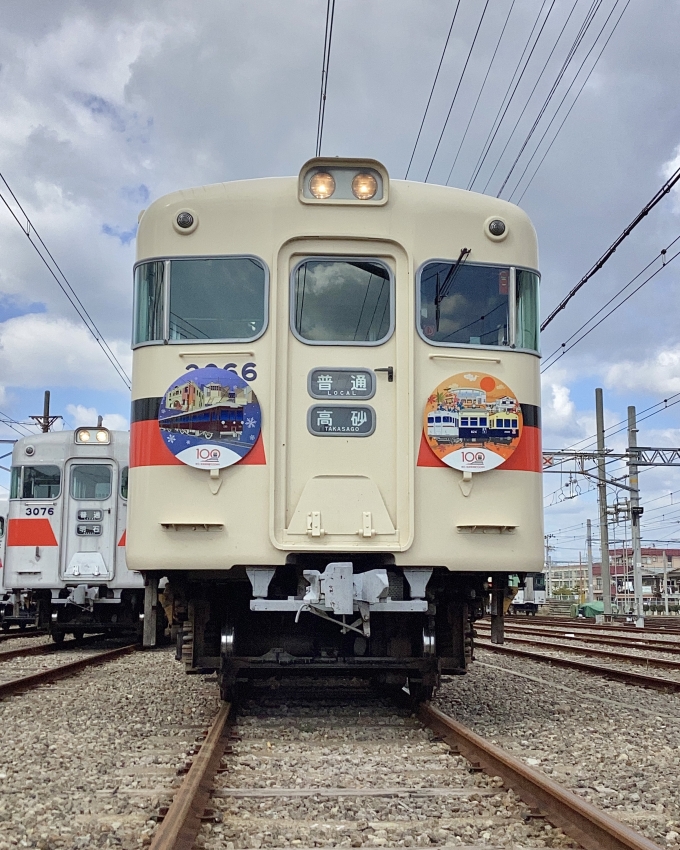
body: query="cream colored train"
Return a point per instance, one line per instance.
(335, 437)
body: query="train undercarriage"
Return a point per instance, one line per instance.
(311, 616)
(77, 610)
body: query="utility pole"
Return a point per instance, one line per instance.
(46, 421)
(665, 582)
(589, 544)
(635, 514)
(548, 567)
(602, 501)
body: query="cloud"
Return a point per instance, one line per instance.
(83, 417)
(656, 375)
(125, 236)
(38, 350)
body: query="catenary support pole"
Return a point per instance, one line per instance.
(589, 544)
(602, 501)
(665, 582)
(500, 582)
(635, 514)
(46, 413)
(150, 609)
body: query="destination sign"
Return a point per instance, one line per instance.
(334, 420)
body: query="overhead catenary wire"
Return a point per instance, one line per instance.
(568, 113)
(538, 79)
(571, 54)
(649, 206)
(481, 90)
(434, 83)
(62, 281)
(325, 64)
(505, 103)
(455, 94)
(561, 350)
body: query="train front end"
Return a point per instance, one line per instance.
(335, 436)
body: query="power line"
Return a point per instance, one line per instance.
(563, 122)
(563, 349)
(500, 115)
(328, 37)
(455, 95)
(429, 100)
(62, 282)
(486, 77)
(663, 191)
(578, 40)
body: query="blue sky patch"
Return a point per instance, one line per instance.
(136, 194)
(11, 307)
(100, 106)
(125, 236)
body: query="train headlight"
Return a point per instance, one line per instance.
(322, 185)
(364, 186)
(102, 436)
(83, 437)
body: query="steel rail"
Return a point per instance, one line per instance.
(25, 683)
(656, 625)
(611, 640)
(643, 660)
(47, 648)
(23, 633)
(180, 825)
(591, 827)
(627, 676)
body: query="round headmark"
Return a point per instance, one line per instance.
(473, 422)
(210, 418)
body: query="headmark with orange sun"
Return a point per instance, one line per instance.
(472, 422)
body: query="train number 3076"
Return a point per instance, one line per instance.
(39, 511)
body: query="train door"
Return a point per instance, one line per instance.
(344, 449)
(89, 531)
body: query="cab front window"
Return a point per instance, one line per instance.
(342, 301)
(35, 482)
(464, 303)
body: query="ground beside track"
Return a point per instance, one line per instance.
(86, 761)
(616, 745)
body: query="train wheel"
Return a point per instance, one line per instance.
(58, 637)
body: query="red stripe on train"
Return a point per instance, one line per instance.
(527, 456)
(30, 532)
(147, 447)
(123, 538)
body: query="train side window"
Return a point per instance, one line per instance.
(470, 304)
(124, 483)
(527, 310)
(465, 304)
(36, 482)
(149, 297)
(91, 481)
(218, 299)
(341, 301)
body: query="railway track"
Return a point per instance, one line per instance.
(26, 682)
(47, 648)
(357, 770)
(630, 677)
(672, 646)
(670, 625)
(23, 633)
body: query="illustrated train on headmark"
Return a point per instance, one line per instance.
(465, 416)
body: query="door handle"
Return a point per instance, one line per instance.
(390, 372)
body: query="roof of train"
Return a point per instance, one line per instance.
(271, 207)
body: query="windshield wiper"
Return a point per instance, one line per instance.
(443, 289)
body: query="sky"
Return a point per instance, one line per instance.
(105, 107)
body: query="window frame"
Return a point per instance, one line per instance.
(167, 263)
(21, 498)
(335, 258)
(99, 462)
(512, 313)
(124, 474)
